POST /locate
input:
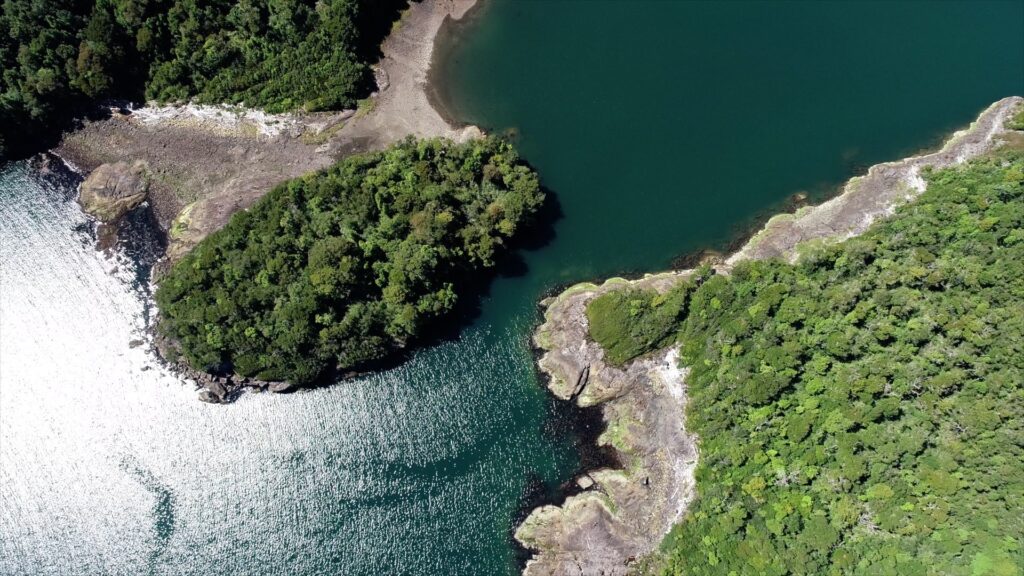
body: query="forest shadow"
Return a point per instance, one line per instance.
(376, 20)
(474, 288)
(128, 81)
(49, 135)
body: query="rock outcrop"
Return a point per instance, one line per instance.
(111, 190)
(614, 526)
(620, 514)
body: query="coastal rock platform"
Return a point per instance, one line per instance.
(614, 526)
(209, 162)
(111, 190)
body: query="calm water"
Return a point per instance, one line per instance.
(662, 127)
(667, 126)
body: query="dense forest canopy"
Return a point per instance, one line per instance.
(340, 268)
(861, 411)
(57, 56)
(629, 322)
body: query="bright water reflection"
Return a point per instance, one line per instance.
(109, 465)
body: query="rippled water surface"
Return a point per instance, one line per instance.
(110, 465)
(660, 126)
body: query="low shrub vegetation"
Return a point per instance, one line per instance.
(630, 322)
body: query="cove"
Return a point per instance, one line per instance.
(665, 127)
(660, 128)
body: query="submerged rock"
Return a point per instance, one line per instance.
(111, 190)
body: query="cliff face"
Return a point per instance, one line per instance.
(617, 522)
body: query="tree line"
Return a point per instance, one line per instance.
(59, 57)
(860, 411)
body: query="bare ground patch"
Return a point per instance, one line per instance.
(218, 160)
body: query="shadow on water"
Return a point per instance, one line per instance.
(475, 288)
(538, 233)
(142, 240)
(55, 176)
(139, 237)
(854, 166)
(449, 37)
(136, 242)
(741, 232)
(144, 243)
(68, 118)
(583, 425)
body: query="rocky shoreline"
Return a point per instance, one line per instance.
(208, 162)
(613, 527)
(195, 165)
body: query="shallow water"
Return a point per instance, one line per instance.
(661, 127)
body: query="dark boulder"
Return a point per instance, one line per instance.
(209, 397)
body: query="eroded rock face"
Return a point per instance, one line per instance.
(111, 190)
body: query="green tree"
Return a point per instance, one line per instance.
(860, 411)
(345, 267)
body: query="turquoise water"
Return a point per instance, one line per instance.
(660, 127)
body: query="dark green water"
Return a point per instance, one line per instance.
(661, 127)
(667, 126)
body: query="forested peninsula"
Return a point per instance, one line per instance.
(860, 411)
(60, 58)
(340, 269)
(857, 404)
(240, 97)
